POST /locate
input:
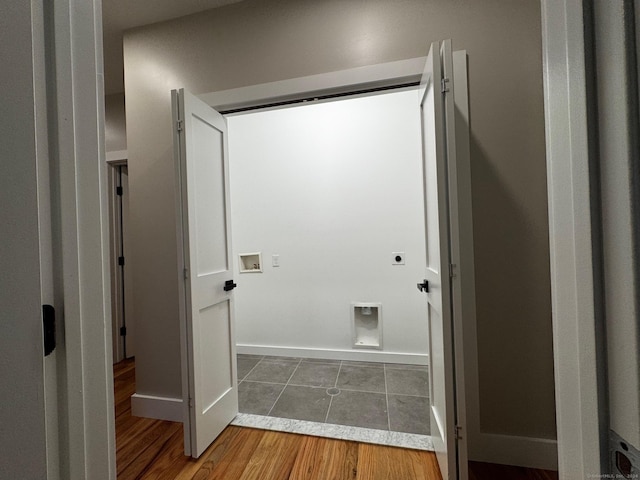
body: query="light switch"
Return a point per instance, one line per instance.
(275, 260)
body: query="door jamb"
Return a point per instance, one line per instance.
(577, 367)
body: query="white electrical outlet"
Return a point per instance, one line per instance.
(397, 258)
(275, 260)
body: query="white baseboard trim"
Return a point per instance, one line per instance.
(162, 408)
(335, 354)
(527, 452)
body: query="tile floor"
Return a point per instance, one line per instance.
(379, 396)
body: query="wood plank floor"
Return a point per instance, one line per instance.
(152, 449)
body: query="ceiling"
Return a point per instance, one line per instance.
(120, 15)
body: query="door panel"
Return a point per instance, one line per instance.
(204, 238)
(209, 195)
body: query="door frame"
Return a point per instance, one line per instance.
(577, 321)
(383, 76)
(115, 160)
(562, 34)
(63, 39)
(79, 175)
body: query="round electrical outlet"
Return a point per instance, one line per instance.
(397, 258)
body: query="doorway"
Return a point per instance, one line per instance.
(203, 174)
(341, 197)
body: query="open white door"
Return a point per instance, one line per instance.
(209, 353)
(438, 138)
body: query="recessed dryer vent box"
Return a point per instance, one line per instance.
(250, 262)
(366, 325)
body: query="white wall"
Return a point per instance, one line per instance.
(333, 189)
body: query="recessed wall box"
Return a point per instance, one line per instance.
(366, 325)
(250, 262)
(397, 258)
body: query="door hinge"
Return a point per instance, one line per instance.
(443, 85)
(49, 328)
(119, 191)
(121, 261)
(123, 331)
(458, 432)
(452, 267)
(190, 402)
(180, 125)
(186, 273)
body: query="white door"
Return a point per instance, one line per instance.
(209, 357)
(438, 138)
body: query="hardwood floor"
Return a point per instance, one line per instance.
(152, 449)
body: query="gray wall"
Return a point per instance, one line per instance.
(115, 134)
(254, 42)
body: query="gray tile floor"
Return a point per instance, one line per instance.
(361, 394)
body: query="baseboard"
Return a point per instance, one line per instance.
(527, 452)
(161, 408)
(335, 354)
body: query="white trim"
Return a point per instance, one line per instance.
(527, 452)
(182, 296)
(114, 240)
(82, 248)
(117, 155)
(572, 282)
(335, 354)
(371, 76)
(161, 408)
(463, 284)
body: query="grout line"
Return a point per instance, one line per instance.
(285, 386)
(362, 391)
(326, 417)
(262, 381)
(386, 396)
(249, 372)
(335, 385)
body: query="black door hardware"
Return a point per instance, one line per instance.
(49, 328)
(229, 285)
(424, 286)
